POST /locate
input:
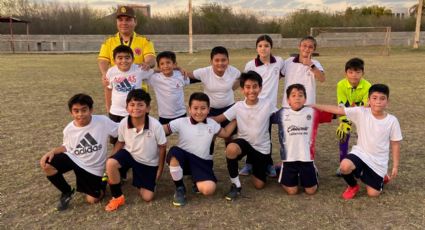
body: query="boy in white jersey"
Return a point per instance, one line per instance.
(377, 131)
(303, 70)
(297, 127)
(168, 86)
(192, 155)
(253, 120)
(84, 150)
(141, 146)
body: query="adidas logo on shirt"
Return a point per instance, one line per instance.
(87, 145)
(124, 86)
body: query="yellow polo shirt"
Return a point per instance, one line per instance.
(140, 45)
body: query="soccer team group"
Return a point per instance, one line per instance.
(140, 139)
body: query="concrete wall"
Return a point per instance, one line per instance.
(179, 43)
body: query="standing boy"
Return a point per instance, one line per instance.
(351, 91)
(141, 146)
(297, 126)
(253, 121)
(377, 131)
(84, 150)
(192, 154)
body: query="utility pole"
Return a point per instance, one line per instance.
(190, 28)
(418, 24)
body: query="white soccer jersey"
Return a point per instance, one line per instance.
(298, 73)
(122, 83)
(253, 123)
(270, 73)
(87, 146)
(142, 145)
(219, 89)
(169, 92)
(297, 132)
(195, 138)
(374, 136)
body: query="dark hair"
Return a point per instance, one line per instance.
(250, 75)
(82, 99)
(123, 49)
(138, 95)
(299, 87)
(266, 38)
(219, 50)
(199, 96)
(166, 54)
(311, 38)
(380, 88)
(354, 64)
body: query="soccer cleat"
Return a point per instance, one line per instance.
(386, 179)
(271, 171)
(233, 193)
(114, 203)
(350, 192)
(65, 199)
(180, 196)
(246, 170)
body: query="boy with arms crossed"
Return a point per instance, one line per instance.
(141, 146)
(84, 150)
(377, 131)
(192, 154)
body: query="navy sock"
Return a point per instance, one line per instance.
(116, 190)
(351, 181)
(60, 183)
(232, 167)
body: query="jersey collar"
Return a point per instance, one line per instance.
(193, 122)
(131, 126)
(258, 62)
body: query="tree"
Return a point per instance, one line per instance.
(413, 10)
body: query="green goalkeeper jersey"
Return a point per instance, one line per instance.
(350, 97)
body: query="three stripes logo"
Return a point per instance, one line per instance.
(124, 86)
(87, 145)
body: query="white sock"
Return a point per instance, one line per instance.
(236, 181)
(176, 173)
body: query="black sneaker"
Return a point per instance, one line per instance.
(233, 193)
(65, 199)
(180, 196)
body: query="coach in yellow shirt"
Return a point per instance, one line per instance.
(143, 49)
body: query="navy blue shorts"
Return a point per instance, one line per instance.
(165, 121)
(365, 173)
(215, 112)
(258, 160)
(87, 183)
(200, 169)
(304, 172)
(144, 176)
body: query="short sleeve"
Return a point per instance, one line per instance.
(323, 116)
(174, 125)
(66, 141)
(111, 127)
(354, 113)
(216, 127)
(160, 134)
(230, 114)
(148, 49)
(318, 65)
(395, 134)
(121, 128)
(275, 117)
(199, 73)
(144, 74)
(247, 67)
(109, 77)
(104, 53)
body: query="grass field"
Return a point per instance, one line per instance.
(34, 90)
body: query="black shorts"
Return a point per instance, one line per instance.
(304, 171)
(258, 160)
(116, 119)
(215, 112)
(144, 176)
(165, 121)
(365, 173)
(87, 183)
(200, 169)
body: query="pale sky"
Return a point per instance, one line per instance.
(262, 7)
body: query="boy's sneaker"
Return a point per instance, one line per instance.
(114, 203)
(233, 193)
(246, 170)
(65, 199)
(350, 192)
(180, 196)
(271, 171)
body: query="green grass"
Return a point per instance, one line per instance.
(34, 90)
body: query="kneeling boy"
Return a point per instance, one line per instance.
(84, 150)
(141, 146)
(192, 155)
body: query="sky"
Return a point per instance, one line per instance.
(262, 7)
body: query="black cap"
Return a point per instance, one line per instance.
(125, 11)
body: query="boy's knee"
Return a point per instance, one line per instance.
(92, 200)
(112, 164)
(174, 162)
(371, 192)
(311, 190)
(258, 184)
(290, 190)
(232, 150)
(146, 195)
(49, 170)
(346, 166)
(207, 189)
